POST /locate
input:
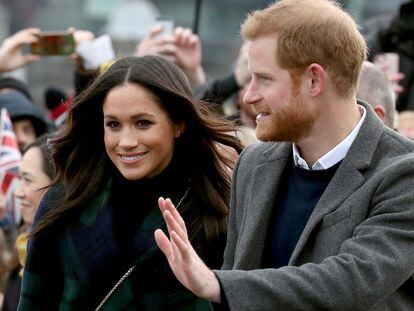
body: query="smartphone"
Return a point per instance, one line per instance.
(53, 43)
(168, 24)
(388, 62)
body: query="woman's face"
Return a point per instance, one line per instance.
(139, 135)
(33, 178)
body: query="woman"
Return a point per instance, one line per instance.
(135, 134)
(36, 171)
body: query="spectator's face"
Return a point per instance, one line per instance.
(33, 179)
(139, 135)
(283, 115)
(25, 133)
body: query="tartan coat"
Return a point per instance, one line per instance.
(69, 268)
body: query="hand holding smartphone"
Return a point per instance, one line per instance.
(53, 43)
(388, 62)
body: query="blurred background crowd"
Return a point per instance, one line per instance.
(205, 44)
(128, 21)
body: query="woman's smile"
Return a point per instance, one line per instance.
(132, 158)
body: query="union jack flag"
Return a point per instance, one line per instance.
(10, 157)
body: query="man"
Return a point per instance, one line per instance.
(323, 220)
(376, 89)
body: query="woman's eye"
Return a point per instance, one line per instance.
(27, 181)
(144, 123)
(112, 124)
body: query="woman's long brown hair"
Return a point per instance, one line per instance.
(83, 167)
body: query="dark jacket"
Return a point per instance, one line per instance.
(73, 267)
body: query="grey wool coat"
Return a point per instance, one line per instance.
(356, 251)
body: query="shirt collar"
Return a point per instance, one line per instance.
(336, 154)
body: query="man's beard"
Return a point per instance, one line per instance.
(289, 122)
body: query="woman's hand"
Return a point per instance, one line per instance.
(187, 266)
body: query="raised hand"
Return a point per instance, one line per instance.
(389, 64)
(155, 44)
(80, 35)
(188, 55)
(187, 266)
(11, 56)
(182, 48)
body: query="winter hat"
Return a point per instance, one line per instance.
(20, 108)
(15, 84)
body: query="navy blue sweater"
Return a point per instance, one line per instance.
(294, 204)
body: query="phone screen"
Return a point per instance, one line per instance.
(167, 23)
(388, 62)
(53, 43)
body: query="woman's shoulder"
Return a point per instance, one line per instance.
(52, 195)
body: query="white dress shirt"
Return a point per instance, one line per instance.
(334, 155)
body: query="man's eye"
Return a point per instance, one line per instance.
(264, 80)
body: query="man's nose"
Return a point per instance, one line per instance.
(252, 95)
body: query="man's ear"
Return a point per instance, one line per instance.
(316, 76)
(380, 111)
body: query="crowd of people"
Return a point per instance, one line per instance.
(140, 192)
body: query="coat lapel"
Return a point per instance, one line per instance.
(348, 177)
(265, 181)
